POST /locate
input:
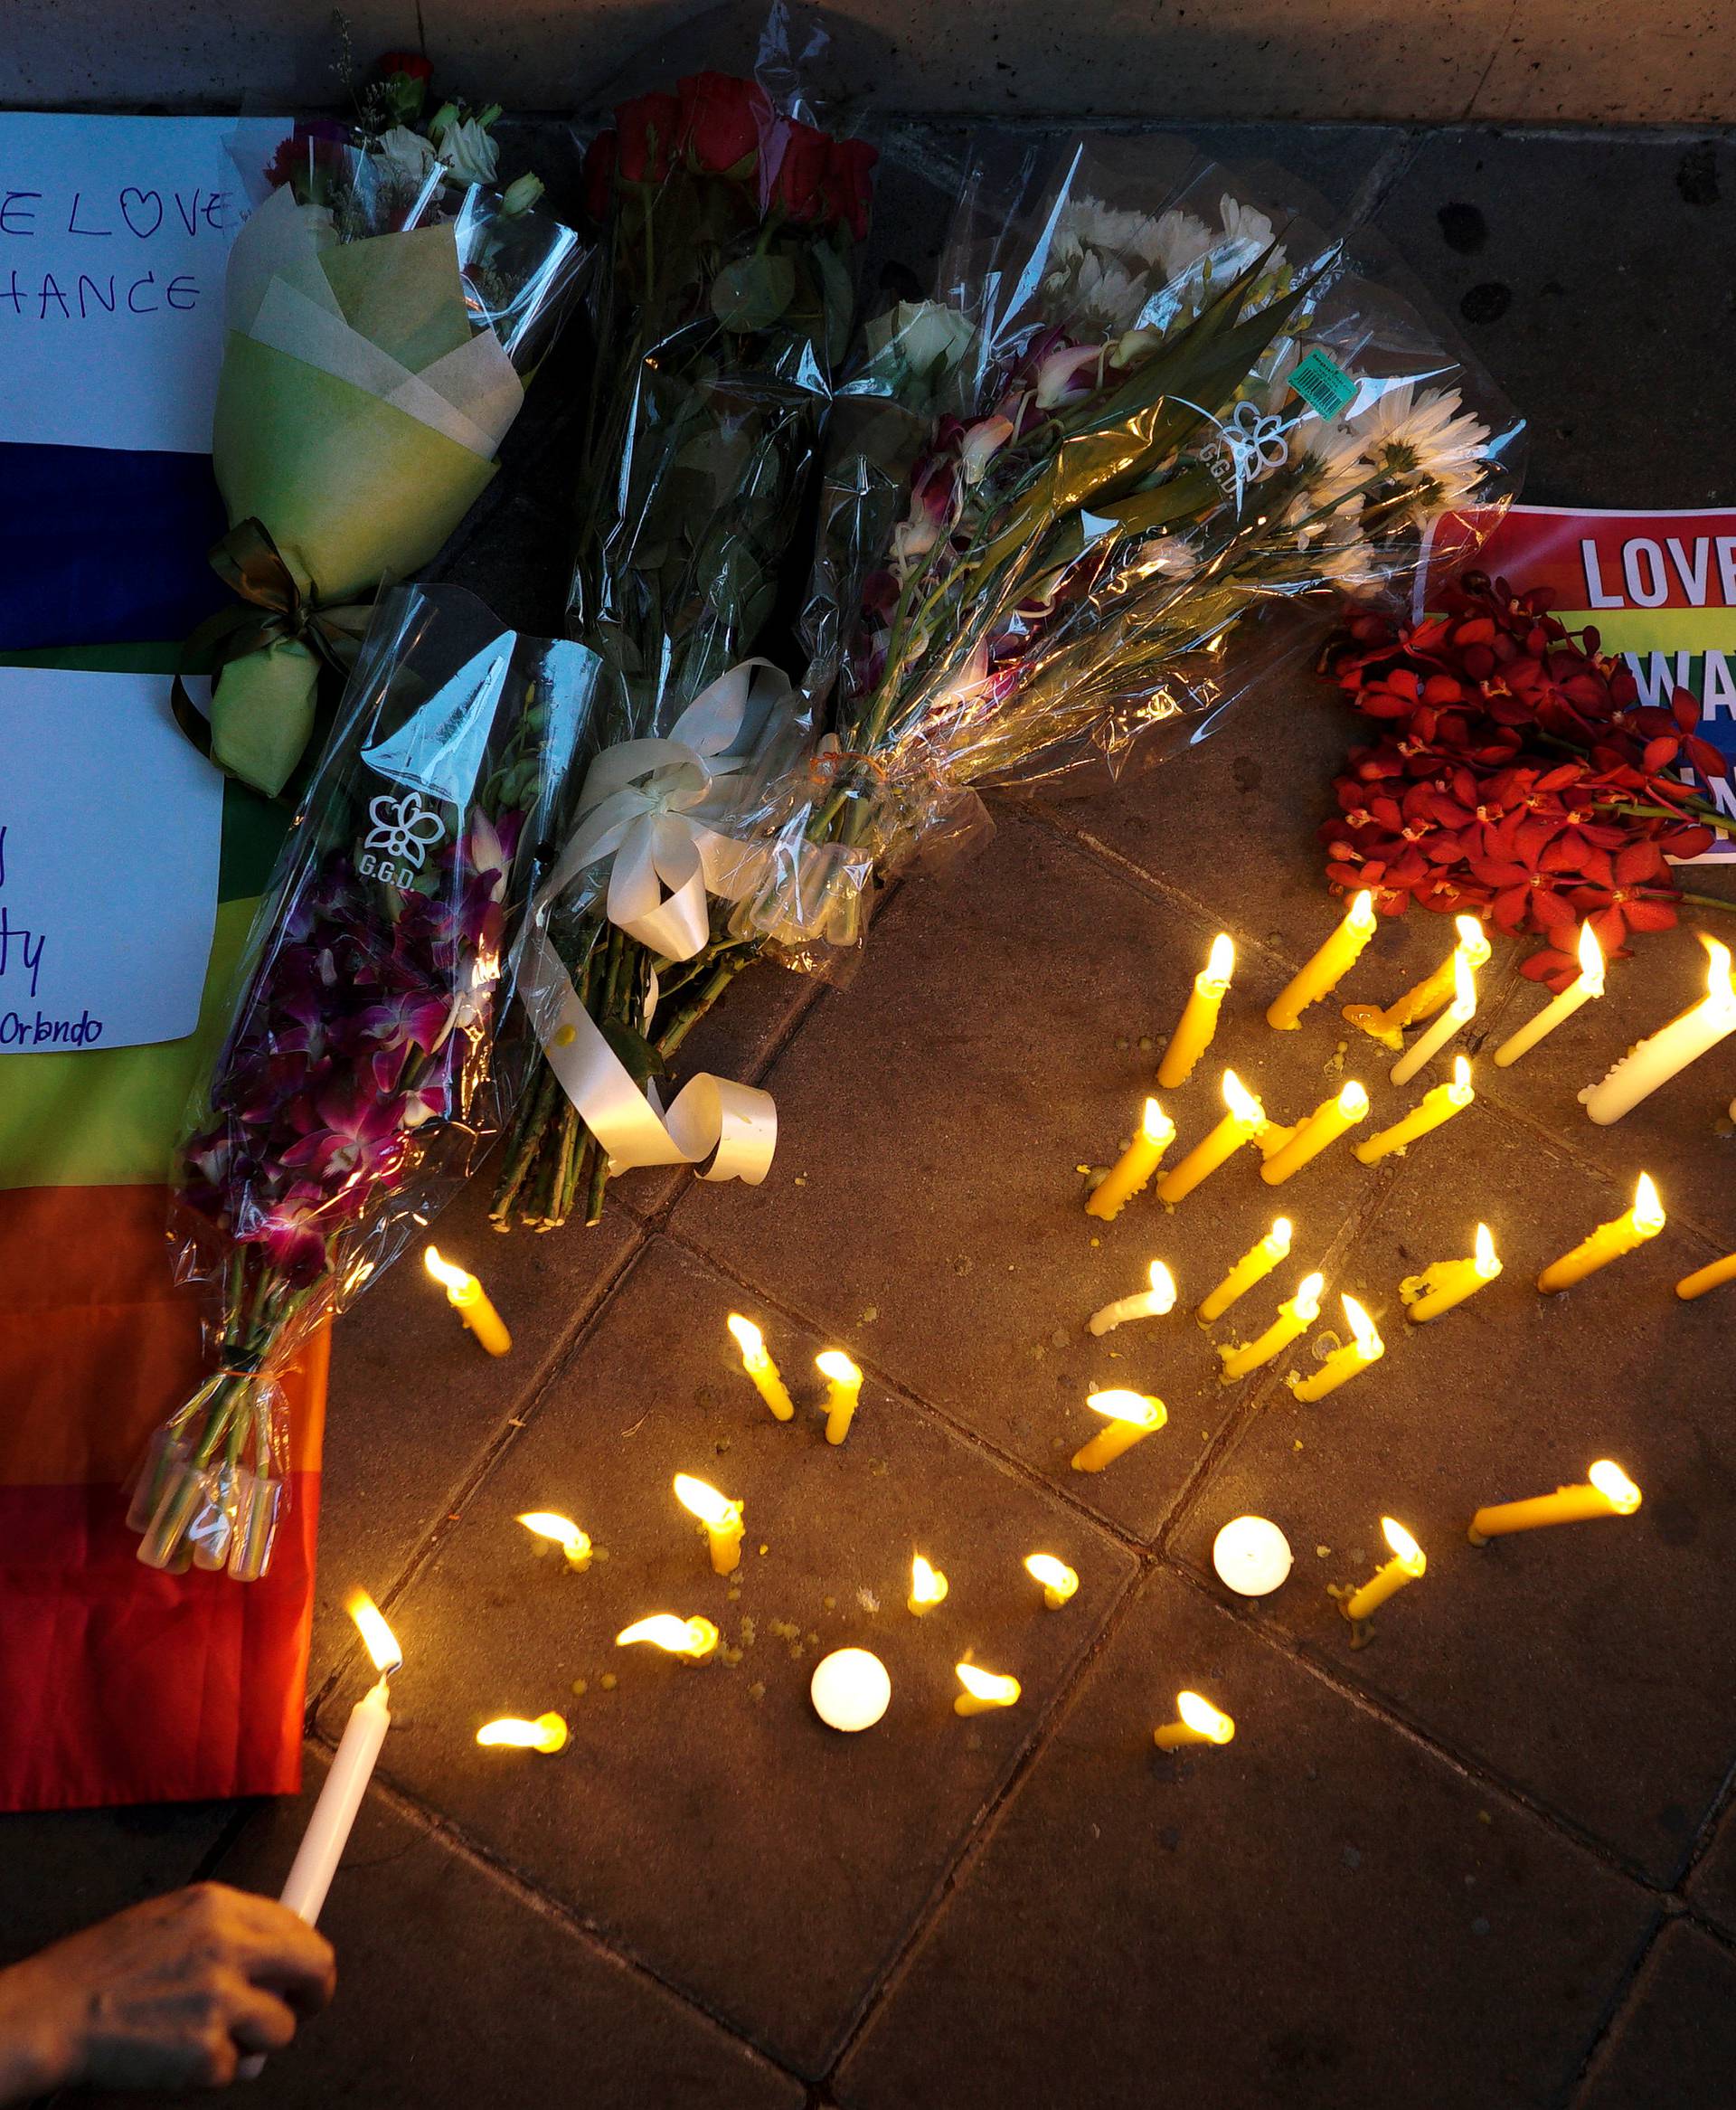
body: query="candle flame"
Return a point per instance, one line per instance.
(547, 1733)
(1307, 1296)
(1353, 1102)
(1403, 1545)
(680, 1637)
(552, 1524)
(1053, 1574)
(1362, 917)
(1221, 962)
(1648, 1211)
(987, 1684)
(748, 1337)
(1201, 1716)
(1368, 1339)
(377, 1637)
(1591, 958)
(1614, 1485)
(1461, 1076)
(1278, 1236)
(1473, 940)
(1717, 982)
(1163, 1285)
(1464, 986)
(834, 1364)
(1486, 1262)
(443, 1271)
(1121, 1405)
(1154, 1124)
(703, 1501)
(927, 1585)
(1241, 1101)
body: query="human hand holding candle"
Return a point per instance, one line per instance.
(1328, 967)
(1422, 1002)
(1457, 1015)
(1200, 1723)
(547, 1734)
(1363, 1347)
(1294, 1319)
(573, 1543)
(1134, 1166)
(928, 1587)
(1587, 985)
(760, 1366)
(1683, 1040)
(843, 1390)
(1152, 1303)
(1254, 1266)
(1608, 1493)
(1609, 1241)
(1450, 1282)
(720, 1517)
(1430, 1112)
(693, 1639)
(469, 1300)
(984, 1689)
(1324, 1125)
(1406, 1565)
(1193, 1036)
(1131, 1417)
(1059, 1581)
(1239, 1125)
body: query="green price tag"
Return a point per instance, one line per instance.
(1321, 384)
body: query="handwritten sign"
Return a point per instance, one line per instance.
(110, 826)
(114, 236)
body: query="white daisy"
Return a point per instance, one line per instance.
(1247, 235)
(1179, 242)
(1427, 443)
(1328, 462)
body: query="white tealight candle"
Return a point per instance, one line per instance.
(1252, 1556)
(850, 1690)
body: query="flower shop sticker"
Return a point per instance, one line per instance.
(1321, 384)
(111, 828)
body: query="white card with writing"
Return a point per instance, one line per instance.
(114, 236)
(110, 829)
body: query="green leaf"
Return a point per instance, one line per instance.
(752, 293)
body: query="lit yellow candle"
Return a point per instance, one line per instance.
(1131, 1418)
(1588, 984)
(693, 1639)
(1293, 1320)
(1422, 1002)
(469, 1300)
(843, 1390)
(1609, 1493)
(1429, 1113)
(565, 1533)
(546, 1732)
(1200, 1723)
(1707, 1278)
(1199, 1022)
(1457, 1015)
(1450, 1282)
(1152, 1303)
(1136, 1165)
(1328, 967)
(1059, 1581)
(1672, 1048)
(1364, 1346)
(1405, 1565)
(759, 1367)
(720, 1517)
(1254, 1266)
(928, 1587)
(1239, 1125)
(984, 1689)
(1609, 1241)
(1324, 1125)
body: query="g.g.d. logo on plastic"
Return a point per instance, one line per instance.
(403, 828)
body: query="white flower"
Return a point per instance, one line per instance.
(1180, 241)
(521, 195)
(1061, 374)
(1169, 556)
(464, 146)
(981, 444)
(407, 155)
(1328, 465)
(912, 540)
(1428, 441)
(1246, 234)
(1089, 223)
(925, 335)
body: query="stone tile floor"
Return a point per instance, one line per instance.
(1483, 1862)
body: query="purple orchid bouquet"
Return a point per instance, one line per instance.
(359, 1076)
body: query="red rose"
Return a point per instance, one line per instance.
(599, 175)
(413, 65)
(722, 120)
(801, 156)
(849, 183)
(647, 129)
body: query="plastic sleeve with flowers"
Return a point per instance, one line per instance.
(361, 1075)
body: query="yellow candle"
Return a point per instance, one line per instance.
(1457, 1015)
(1609, 1241)
(984, 1689)
(693, 1639)
(1364, 1346)
(1405, 1565)
(1240, 1125)
(1422, 1002)
(1588, 984)
(1328, 967)
(1254, 1266)
(546, 1732)
(759, 1366)
(1293, 1319)
(1683, 1040)
(1324, 1125)
(1136, 1165)
(1450, 1282)
(1707, 1278)
(1434, 1108)
(565, 1533)
(1131, 1418)
(1059, 1581)
(720, 1517)
(1200, 1723)
(469, 1300)
(1609, 1493)
(1199, 1022)
(1152, 1303)
(843, 1388)
(928, 1587)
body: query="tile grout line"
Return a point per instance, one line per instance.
(1619, 2002)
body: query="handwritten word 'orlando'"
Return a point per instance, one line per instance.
(124, 228)
(21, 963)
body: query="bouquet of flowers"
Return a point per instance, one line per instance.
(359, 1077)
(383, 308)
(724, 301)
(1516, 775)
